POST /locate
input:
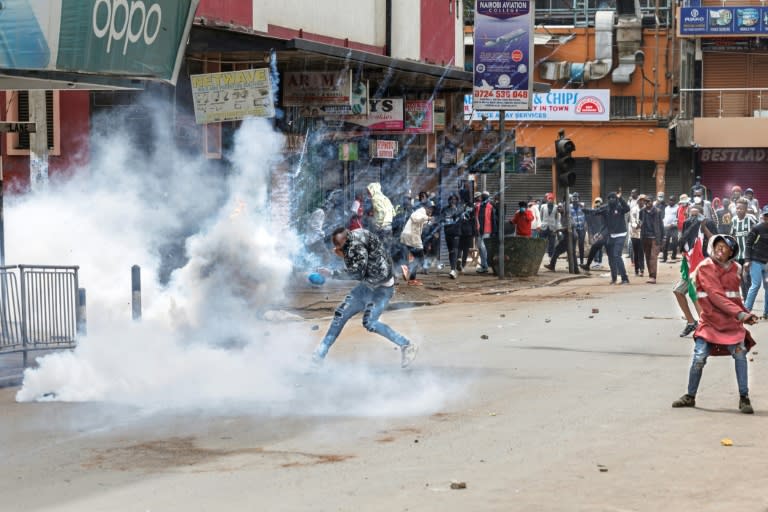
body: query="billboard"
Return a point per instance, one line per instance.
(503, 55)
(419, 116)
(232, 95)
(585, 105)
(122, 38)
(317, 89)
(723, 21)
(384, 114)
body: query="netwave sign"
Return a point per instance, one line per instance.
(121, 38)
(585, 105)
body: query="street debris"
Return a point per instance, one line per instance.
(458, 485)
(602, 468)
(591, 316)
(595, 310)
(726, 441)
(483, 336)
(491, 414)
(503, 315)
(315, 327)
(547, 320)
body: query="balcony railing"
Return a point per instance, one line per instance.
(724, 102)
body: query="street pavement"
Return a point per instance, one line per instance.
(546, 398)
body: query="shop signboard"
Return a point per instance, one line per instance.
(385, 149)
(232, 95)
(384, 114)
(721, 21)
(585, 105)
(419, 116)
(503, 53)
(121, 38)
(357, 106)
(317, 88)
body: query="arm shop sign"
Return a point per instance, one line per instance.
(317, 88)
(503, 55)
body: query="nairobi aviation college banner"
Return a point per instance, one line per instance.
(503, 55)
(123, 38)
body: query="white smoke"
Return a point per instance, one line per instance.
(203, 340)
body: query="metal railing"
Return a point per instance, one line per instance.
(41, 308)
(724, 102)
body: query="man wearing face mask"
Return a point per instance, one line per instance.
(615, 222)
(756, 261)
(706, 205)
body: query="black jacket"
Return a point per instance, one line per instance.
(757, 244)
(652, 225)
(613, 216)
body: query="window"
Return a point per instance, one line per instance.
(17, 108)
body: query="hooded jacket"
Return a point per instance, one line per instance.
(411, 235)
(383, 211)
(718, 291)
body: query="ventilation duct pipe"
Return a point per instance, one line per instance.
(592, 70)
(629, 37)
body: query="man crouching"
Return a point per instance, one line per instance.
(721, 328)
(367, 260)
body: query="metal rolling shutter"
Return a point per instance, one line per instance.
(726, 70)
(719, 177)
(758, 77)
(519, 187)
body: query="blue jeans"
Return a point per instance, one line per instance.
(758, 273)
(373, 301)
(614, 248)
(483, 250)
(700, 355)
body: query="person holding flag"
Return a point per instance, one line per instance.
(694, 237)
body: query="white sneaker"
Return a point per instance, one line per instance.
(408, 354)
(453, 274)
(597, 265)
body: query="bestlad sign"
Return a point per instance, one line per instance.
(122, 38)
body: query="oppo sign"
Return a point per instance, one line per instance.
(126, 22)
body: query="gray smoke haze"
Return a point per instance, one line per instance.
(204, 339)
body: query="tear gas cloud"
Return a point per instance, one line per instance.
(215, 258)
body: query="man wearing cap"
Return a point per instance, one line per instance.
(550, 222)
(721, 324)
(749, 195)
(756, 261)
(485, 220)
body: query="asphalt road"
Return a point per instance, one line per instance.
(546, 399)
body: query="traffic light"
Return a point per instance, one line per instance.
(564, 162)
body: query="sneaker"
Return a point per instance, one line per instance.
(405, 271)
(408, 354)
(551, 267)
(689, 328)
(765, 316)
(651, 280)
(597, 265)
(482, 270)
(687, 401)
(745, 405)
(453, 274)
(415, 282)
(460, 269)
(585, 268)
(624, 281)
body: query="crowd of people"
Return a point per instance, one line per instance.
(722, 245)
